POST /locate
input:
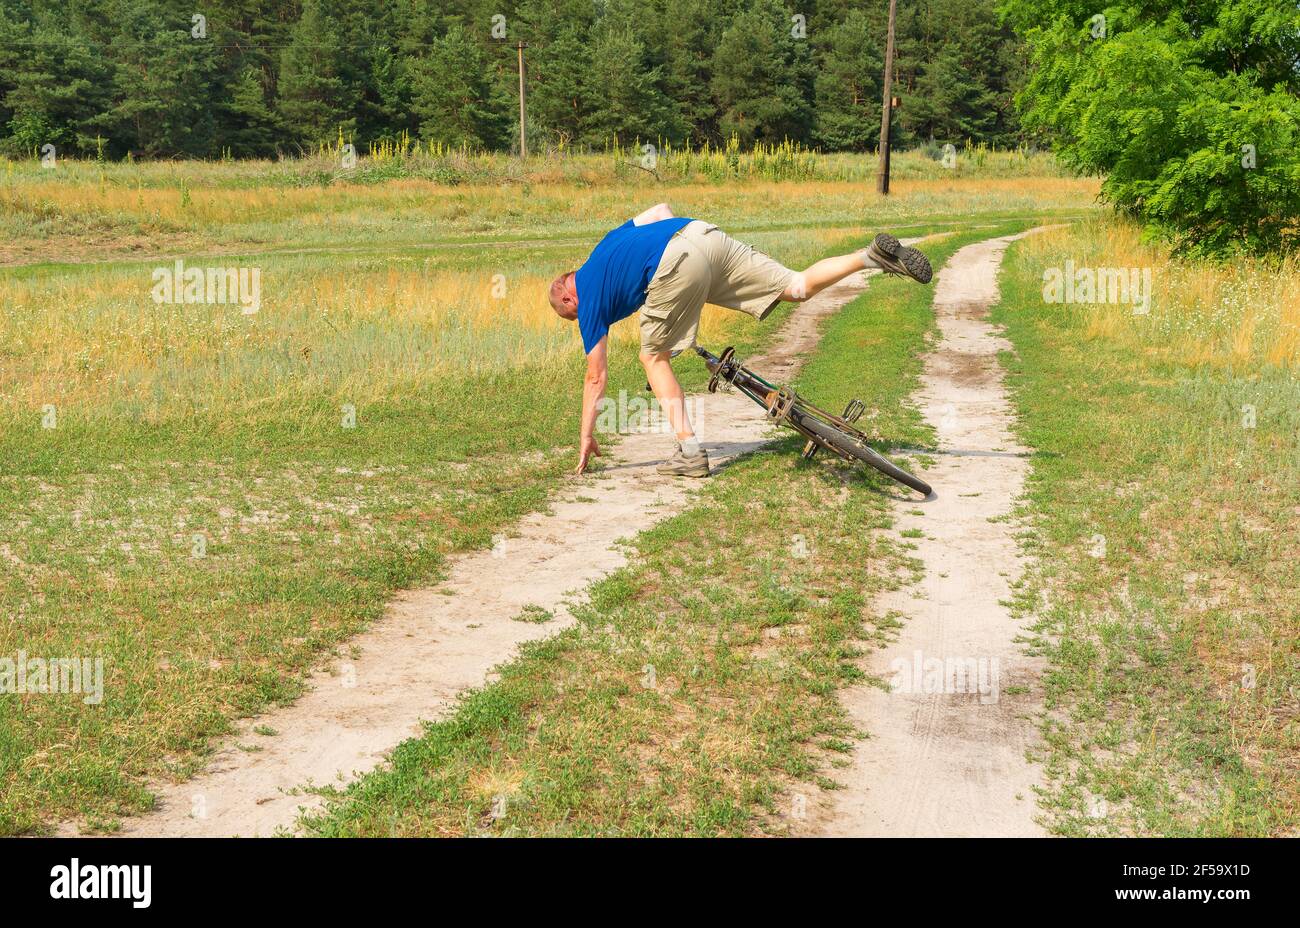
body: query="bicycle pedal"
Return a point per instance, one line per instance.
(780, 402)
(809, 450)
(853, 411)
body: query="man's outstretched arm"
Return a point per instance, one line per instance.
(593, 388)
(653, 214)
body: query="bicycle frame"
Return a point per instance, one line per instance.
(783, 405)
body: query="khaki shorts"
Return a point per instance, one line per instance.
(702, 264)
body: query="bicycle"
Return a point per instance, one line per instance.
(822, 429)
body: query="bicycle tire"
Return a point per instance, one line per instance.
(850, 447)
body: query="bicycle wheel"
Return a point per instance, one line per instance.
(850, 447)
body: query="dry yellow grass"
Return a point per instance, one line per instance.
(210, 205)
(98, 340)
(417, 210)
(1235, 315)
(369, 289)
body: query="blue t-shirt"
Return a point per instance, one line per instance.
(612, 284)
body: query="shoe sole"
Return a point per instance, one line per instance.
(904, 260)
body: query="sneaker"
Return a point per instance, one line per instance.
(679, 465)
(896, 258)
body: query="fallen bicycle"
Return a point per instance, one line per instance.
(821, 428)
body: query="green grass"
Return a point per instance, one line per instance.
(672, 708)
(1166, 586)
(697, 693)
(610, 168)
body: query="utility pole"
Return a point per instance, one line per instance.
(886, 112)
(523, 118)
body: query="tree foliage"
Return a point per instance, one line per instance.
(1189, 108)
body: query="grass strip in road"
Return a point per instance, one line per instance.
(697, 691)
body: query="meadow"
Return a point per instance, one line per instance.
(1162, 509)
(750, 644)
(214, 501)
(1162, 589)
(82, 211)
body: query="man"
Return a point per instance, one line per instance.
(670, 267)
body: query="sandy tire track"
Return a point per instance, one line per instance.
(433, 644)
(953, 763)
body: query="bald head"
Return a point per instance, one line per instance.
(564, 296)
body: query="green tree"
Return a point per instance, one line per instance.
(252, 127)
(453, 98)
(848, 91)
(621, 94)
(162, 84)
(762, 77)
(1197, 140)
(315, 101)
(271, 76)
(557, 72)
(558, 33)
(57, 85)
(955, 72)
(682, 36)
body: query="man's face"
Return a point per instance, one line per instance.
(564, 296)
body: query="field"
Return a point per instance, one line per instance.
(215, 501)
(1164, 503)
(750, 647)
(203, 515)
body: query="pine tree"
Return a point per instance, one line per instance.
(274, 76)
(952, 95)
(848, 90)
(684, 35)
(620, 93)
(57, 83)
(315, 102)
(762, 77)
(252, 128)
(161, 79)
(453, 98)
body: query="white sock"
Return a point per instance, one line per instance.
(868, 262)
(691, 446)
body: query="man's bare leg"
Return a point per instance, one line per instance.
(691, 460)
(885, 253)
(823, 274)
(659, 373)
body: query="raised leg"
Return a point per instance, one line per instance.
(824, 273)
(886, 253)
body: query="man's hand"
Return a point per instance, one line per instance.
(587, 448)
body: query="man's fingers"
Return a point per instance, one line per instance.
(585, 452)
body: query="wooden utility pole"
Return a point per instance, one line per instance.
(886, 112)
(523, 113)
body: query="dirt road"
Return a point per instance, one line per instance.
(946, 747)
(435, 643)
